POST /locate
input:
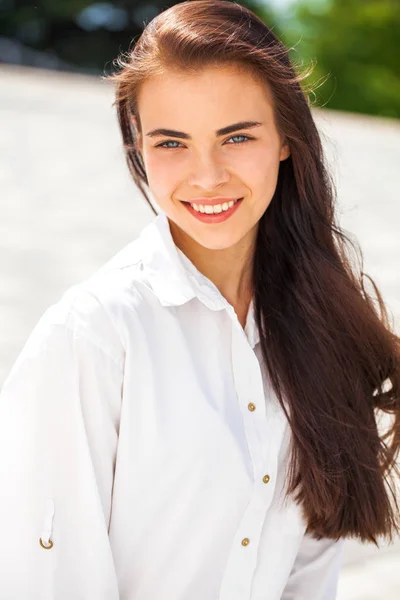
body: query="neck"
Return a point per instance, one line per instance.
(229, 269)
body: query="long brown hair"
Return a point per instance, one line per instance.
(331, 355)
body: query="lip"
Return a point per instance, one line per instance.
(217, 217)
(212, 201)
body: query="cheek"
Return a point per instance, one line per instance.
(162, 174)
(259, 170)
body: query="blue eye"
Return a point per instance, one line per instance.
(245, 138)
(167, 142)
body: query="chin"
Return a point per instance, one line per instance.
(217, 240)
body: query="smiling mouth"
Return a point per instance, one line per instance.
(222, 212)
(212, 209)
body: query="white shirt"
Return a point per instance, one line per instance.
(140, 436)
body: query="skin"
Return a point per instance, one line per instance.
(208, 165)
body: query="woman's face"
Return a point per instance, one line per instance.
(194, 160)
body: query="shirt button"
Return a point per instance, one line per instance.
(245, 541)
(266, 478)
(251, 406)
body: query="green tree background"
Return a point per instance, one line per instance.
(357, 45)
(354, 44)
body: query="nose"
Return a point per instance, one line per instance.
(208, 173)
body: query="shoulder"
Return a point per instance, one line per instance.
(101, 307)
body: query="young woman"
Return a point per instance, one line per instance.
(198, 419)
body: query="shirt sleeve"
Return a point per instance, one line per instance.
(315, 572)
(59, 420)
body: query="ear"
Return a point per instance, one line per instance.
(285, 151)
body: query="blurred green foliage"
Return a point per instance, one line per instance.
(356, 47)
(355, 44)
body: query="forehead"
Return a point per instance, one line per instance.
(213, 93)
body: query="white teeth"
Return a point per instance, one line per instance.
(217, 208)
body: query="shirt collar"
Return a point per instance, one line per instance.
(175, 279)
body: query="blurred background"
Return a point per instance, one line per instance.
(67, 203)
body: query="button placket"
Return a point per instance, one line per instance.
(249, 387)
(242, 562)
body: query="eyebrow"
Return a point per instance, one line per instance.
(224, 131)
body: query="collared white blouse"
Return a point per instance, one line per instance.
(142, 451)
